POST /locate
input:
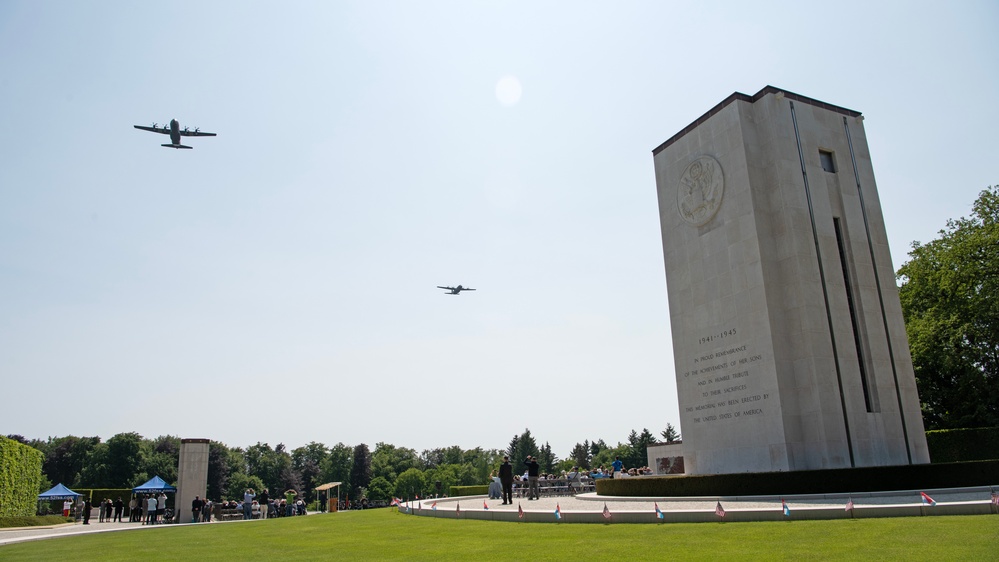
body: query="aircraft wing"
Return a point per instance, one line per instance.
(184, 133)
(165, 131)
(448, 288)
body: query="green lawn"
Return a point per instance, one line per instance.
(385, 534)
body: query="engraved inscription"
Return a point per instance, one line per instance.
(700, 192)
(724, 381)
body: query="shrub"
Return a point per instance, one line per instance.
(954, 445)
(867, 479)
(479, 490)
(20, 477)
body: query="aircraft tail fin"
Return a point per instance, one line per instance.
(176, 146)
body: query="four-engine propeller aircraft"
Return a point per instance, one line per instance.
(175, 133)
(454, 290)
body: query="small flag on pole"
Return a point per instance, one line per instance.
(995, 499)
(607, 514)
(419, 506)
(659, 512)
(395, 502)
(927, 500)
(457, 507)
(434, 506)
(485, 505)
(558, 512)
(787, 511)
(719, 510)
(849, 505)
(520, 511)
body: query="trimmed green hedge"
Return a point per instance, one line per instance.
(954, 445)
(20, 478)
(458, 491)
(868, 479)
(34, 521)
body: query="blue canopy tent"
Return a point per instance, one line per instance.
(58, 492)
(155, 484)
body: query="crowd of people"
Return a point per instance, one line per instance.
(533, 480)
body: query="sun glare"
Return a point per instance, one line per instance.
(508, 90)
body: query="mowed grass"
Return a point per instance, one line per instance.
(384, 534)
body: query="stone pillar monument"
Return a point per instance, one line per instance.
(789, 345)
(192, 476)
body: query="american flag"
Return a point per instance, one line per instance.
(849, 505)
(719, 510)
(457, 507)
(995, 499)
(606, 511)
(520, 511)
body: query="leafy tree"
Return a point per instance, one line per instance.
(336, 466)
(160, 457)
(360, 470)
(606, 456)
(306, 462)
(222, 463)
(431, 458)
(65, 458)
(670, 434)
(379, 489)
(410, 484)
(949, 290)
(270, 465)
(389, 461)
(239, 482)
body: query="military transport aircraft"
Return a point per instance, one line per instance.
(175, 132)
(454, 290)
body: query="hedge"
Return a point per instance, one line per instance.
(867, 479)
(478, 490)
(20, 478)
(953, 445)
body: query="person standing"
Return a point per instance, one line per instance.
(196, 506)
(533, 471)
(151, 510)
(248, 503)
(206, 510)
(289, 499)
(160, 507)
(87, 506)
(132, 515)
(506, 480)
(66, 507)
(119, 507)
(618, 467)
(264, 505)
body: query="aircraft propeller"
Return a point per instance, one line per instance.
(197, 129)
(185, 129)
(155, 124)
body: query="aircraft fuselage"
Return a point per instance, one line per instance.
(174, 131)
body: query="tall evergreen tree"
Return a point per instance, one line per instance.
(360, 472)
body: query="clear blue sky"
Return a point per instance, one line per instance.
(277, 283)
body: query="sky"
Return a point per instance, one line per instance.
(277, 283)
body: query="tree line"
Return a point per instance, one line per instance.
(127, 459)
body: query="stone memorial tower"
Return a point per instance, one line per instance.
(788, 338)
(192, 476)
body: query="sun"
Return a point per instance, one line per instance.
(508, 90)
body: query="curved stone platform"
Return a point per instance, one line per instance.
(589, 508)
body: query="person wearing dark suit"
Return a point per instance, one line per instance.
(506, 480)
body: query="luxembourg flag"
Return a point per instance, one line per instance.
(457, 508)
(927, 500)
(434, 506)
(558, 512)
(659, 512)
(787, 511)
(485, 505)
(395, 502)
